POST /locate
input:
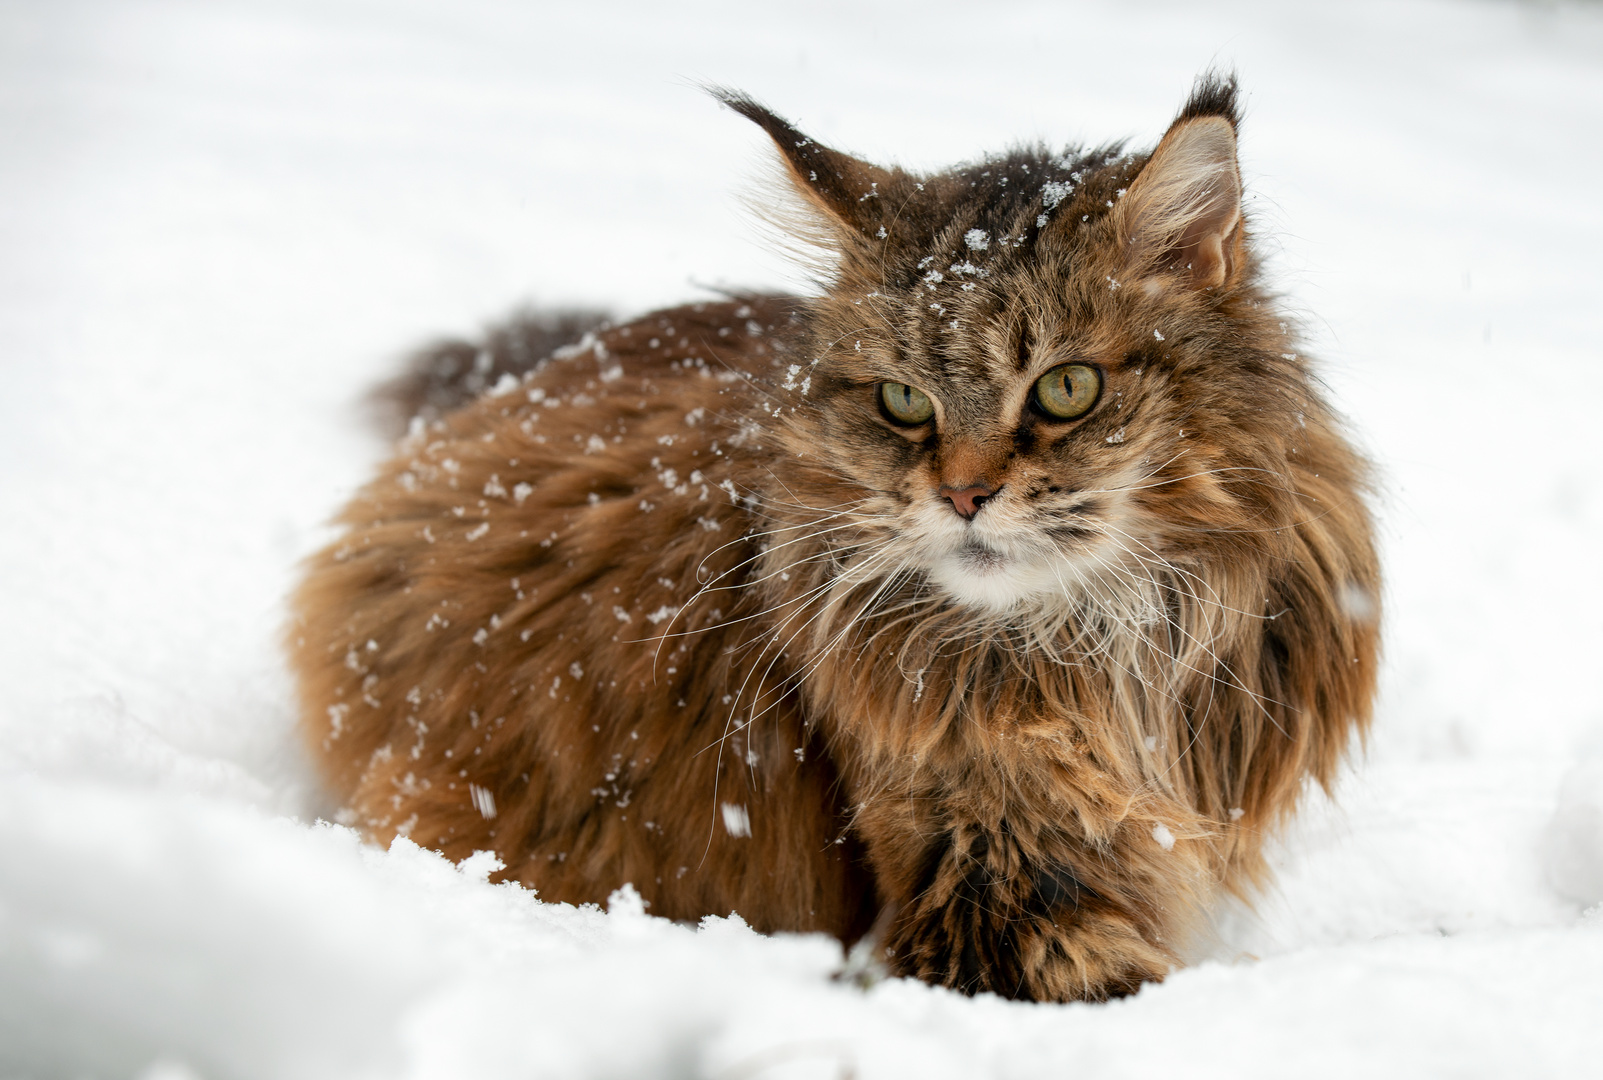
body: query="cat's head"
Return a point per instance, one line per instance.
(1040, 375)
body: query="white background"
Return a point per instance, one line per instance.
(222, 221)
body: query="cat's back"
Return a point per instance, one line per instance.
(609, 447)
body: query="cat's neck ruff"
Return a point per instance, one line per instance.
(1099, 602)
(1011, 573)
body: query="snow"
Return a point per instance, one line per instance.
(221, 222)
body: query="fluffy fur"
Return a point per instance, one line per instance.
(684, 607)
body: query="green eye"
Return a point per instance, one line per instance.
(905, 404)
(1068, 390)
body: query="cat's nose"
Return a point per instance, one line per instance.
(967, 501)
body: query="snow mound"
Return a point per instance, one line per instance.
(1574, 841)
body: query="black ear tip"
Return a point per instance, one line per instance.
(738, 100)
(1214, 94)
(748, 106)
(743, 103)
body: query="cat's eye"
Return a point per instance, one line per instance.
(1068, 391)
(905, 404)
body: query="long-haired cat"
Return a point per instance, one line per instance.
(1006, 593)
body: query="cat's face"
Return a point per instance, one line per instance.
(1003, 447)
(1040, 378)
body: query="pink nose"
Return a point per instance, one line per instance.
(968, 501)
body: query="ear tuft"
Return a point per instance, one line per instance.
(1213, 95)
(1182, 215)
(847, 190)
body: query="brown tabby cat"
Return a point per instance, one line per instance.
(1008, 592)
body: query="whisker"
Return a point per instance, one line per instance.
(712, 586)
(1234, 681)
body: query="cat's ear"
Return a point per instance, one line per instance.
(847, 191)
(1182, 215)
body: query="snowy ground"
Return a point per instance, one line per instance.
(221, 221)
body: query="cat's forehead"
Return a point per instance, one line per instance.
(1021, 319)
(991, 246)
(988, 211)
(987, 284)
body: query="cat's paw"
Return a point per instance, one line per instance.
(1046, 937)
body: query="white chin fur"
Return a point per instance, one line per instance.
(992, 581)
(996, 564)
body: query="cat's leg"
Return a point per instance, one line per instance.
(1036, 915)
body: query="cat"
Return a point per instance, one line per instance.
(999, 600)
